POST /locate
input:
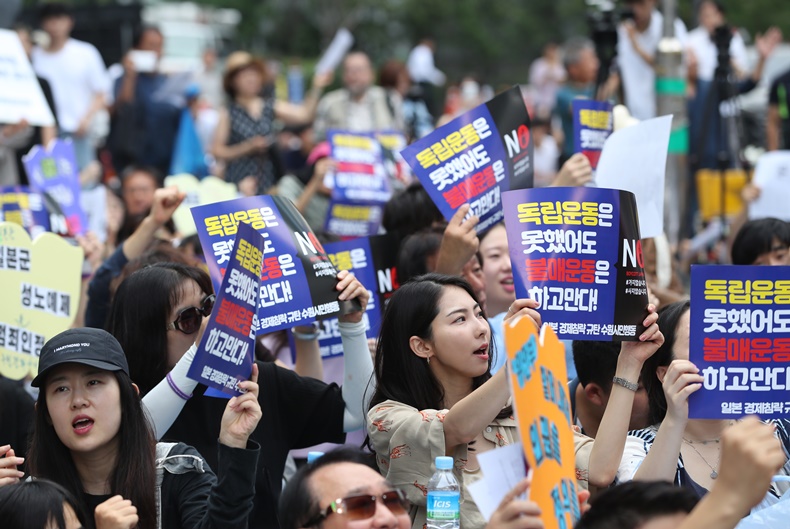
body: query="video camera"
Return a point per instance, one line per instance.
(603, 17)
(721, 37)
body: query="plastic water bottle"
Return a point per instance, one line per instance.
(444, 497)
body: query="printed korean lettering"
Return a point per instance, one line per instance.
(45, 300)
(276, 292)
(565, 499)
(249, 257)
(242, 287)
(523, 364)
(545, 439)
(554, 392)
(234, 317)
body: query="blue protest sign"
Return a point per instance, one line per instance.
(53, 173)
(371, 260)
(576, 251)
(20, 205)
(360, 187)
(592, 124)
(739, 338)
(297, 278)
(392, 143)
(227, 349)
(477, 157)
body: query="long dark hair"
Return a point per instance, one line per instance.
(668, 320)
(36, 504)
(134, 477)
(140, 312)
(401, 375)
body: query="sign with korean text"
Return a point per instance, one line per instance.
(360, 186)
(576, 251)
(297, 278)
(476, 157)
(392, 143)
(538, 383)
(198, 192)
(592, 124)
(21, 97)
(53, 172)
(740, 340)
(40, 284)
(373, 261)
(227, 349)
(772, 178)
(20, 205)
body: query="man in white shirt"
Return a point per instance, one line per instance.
(703, 52)
(78, 78)
(637, 44)
(421, 66)
(424, 73)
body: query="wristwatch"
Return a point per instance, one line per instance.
(625, 383)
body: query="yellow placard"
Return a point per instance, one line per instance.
(40, 284)
(199, 192)
(538, 381)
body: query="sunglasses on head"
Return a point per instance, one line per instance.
(189, 319)
(363, 506)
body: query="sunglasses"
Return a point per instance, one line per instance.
(363, 507)
(189, 319)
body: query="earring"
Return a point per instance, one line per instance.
(428, 360)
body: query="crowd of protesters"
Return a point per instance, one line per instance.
(112, 434)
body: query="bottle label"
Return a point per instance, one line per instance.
(444, 505)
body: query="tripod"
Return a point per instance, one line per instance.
(726, 128)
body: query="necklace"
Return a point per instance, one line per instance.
(713, 473)
(706, 441)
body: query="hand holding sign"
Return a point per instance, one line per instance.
(649, 341)
(459, 242)
(680, 381)
(350, 288)
(242, 414)
(523, 307)
(517, 513)
(575, 172)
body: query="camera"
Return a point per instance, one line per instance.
(603, 17)
(722, 36)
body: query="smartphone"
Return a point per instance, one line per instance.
(144, 61)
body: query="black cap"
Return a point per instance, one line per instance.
(91, 347)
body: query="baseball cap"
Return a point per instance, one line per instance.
(92, 347)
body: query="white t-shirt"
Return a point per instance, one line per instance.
(545, 161)
(701, 44)
(546, 78)
(76, 73)
(639, 78)
(421, 67)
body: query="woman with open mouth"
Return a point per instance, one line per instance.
(435, 395)
(91, 436)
